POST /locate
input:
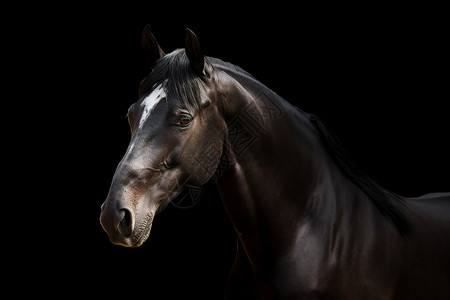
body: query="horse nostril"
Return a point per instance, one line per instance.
(126, 223)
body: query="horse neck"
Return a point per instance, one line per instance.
(278, 175)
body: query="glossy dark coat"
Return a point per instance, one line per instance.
(309, 224)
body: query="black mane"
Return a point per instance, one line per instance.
(386, 201)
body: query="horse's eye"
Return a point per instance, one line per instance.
(184, 120)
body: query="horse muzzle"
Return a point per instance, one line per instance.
(124, 227)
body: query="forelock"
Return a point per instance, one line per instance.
(179, 79)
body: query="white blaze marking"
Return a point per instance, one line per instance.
(150, 102)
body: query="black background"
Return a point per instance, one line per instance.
(377, 75)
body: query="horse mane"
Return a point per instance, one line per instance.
(227, 66)
(386, 201)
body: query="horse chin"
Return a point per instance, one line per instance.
(142, 231)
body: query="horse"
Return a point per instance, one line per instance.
(309, 223)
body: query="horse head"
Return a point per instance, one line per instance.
(175, 139)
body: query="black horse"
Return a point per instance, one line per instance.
(309, 223)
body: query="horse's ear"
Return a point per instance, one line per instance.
(151, 48)
(194, 52)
